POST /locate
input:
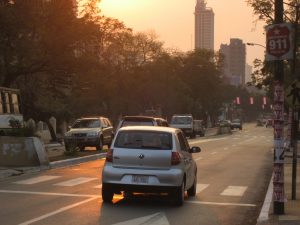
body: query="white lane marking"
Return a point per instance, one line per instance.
(213, 153)
(154, 219)
(36, 179)
(49, 194)
(199, 158)
(76, 181)
(201, 187)
(234, 145)
(206, 140)
(226, 148)
(98, 186)
(264, 213)
(220, 203)
(57, 211)
(234, 191)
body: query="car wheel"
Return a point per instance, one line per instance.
(99, 147)
(111, 139)
(107, 195)
(179, 195)
(192, 190)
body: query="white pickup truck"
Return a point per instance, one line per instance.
(185, 122)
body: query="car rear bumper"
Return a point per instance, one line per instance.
(122, 178)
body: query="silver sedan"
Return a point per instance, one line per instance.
(150, 160)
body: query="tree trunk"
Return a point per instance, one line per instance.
(53, 135)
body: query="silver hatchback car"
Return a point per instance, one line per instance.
(149, 159)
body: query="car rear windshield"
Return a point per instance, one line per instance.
(144, 140)
(181, 120)
(136, 123)
(86, 123)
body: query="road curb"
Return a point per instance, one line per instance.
(74, 161)
(264, 213)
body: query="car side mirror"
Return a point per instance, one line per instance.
(104, 126)
(195, 149)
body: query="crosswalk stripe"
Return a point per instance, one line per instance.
(37, 179)
(74, 182)
(201, 187)
(234, 191)
(98, 186)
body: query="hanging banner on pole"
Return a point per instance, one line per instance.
(264, 100)
(251, 101)
(238, 101)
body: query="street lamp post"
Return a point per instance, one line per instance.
(252, 44)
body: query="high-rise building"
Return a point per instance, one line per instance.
(204, 26)
(234, 62)
(248, 73)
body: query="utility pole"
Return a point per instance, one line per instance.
(278, 169)
(295, 123)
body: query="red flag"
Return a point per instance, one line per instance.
(238, 101)
(251, 100)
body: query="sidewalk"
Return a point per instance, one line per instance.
(292, 207)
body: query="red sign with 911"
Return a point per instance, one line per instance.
(279, 42)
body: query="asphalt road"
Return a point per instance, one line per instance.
(233, 175)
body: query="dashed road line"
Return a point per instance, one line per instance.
(76, 181)
(234, 191)
(36, 180)
(201, 187)
(57, 211)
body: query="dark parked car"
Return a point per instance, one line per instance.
(236, 123)
(89, 132)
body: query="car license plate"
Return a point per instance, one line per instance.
(140, 179)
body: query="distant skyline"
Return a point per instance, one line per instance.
(173, 21)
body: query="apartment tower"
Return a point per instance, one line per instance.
(204, 26)
(235, 61)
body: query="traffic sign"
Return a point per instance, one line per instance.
(292, 94)
(279, 41)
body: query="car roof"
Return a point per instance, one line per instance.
(139, 118)
(90, 118)
(150, 128)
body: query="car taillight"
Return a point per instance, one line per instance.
(176, 158)
(109, 155)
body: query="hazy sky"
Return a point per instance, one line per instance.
(173, 21)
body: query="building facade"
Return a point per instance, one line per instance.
(234, 62)
(204, 26)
